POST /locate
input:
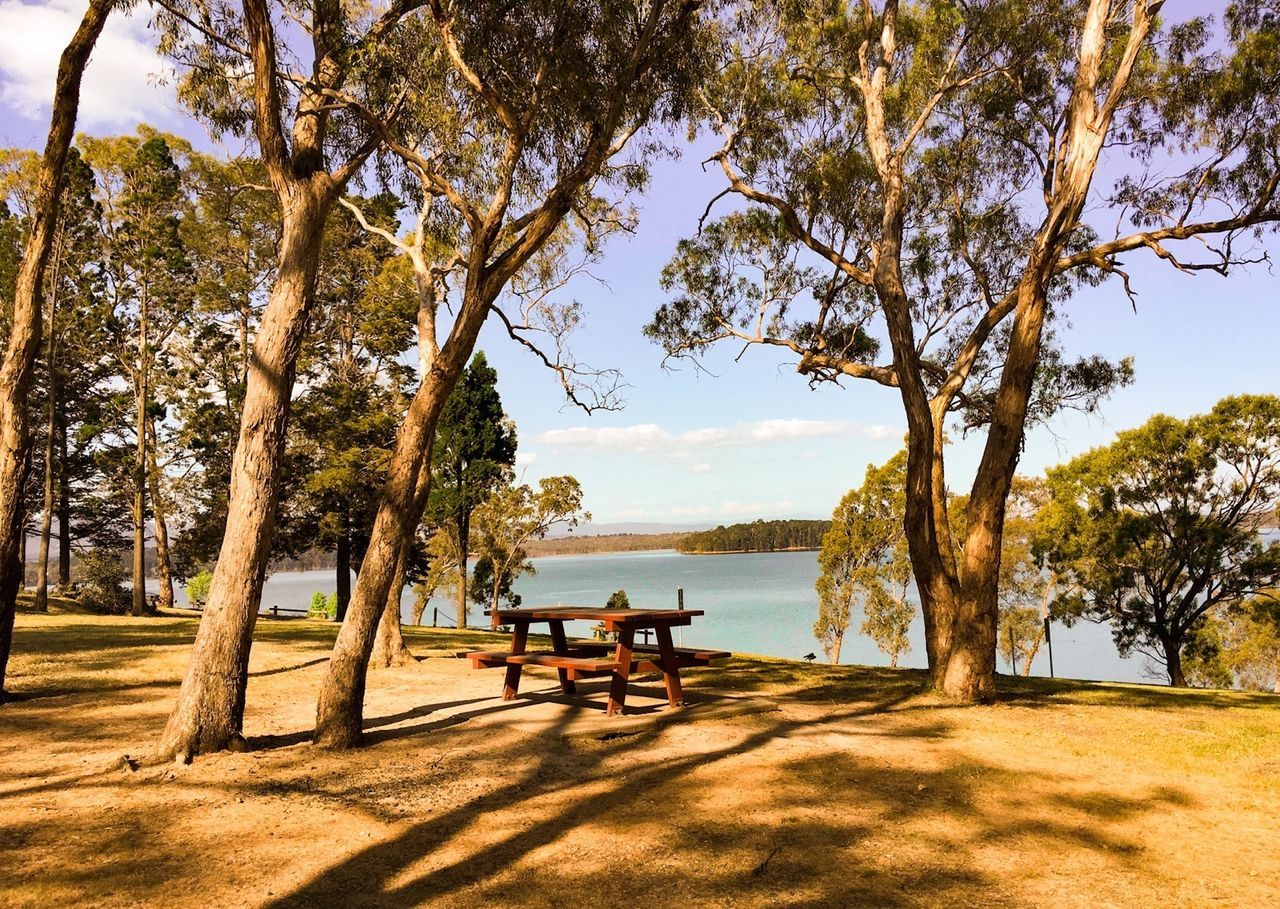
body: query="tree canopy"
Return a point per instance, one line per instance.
(1161, 528)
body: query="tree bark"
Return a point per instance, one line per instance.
(46, 517)
(837, 642)
(164, 565)
(64, 507)
(209, 712)
(389, 649)
(142, 391)
(340, 709)
(342, 573)
(25, 330)
(461, 589)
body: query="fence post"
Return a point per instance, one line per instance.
(434, 611)
(275, 610)
(1048, 642)
(680, 606)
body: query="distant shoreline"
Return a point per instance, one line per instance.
(747, 551)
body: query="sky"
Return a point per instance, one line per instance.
(738, 440)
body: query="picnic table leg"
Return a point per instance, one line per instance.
(670, 668)
(560, 645)
(618, 686)
(518, 641)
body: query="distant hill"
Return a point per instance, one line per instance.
(627, 528)
(757, 536)
(612, 542)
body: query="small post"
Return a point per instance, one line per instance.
(1048, 643)
(680, 606)
(275, 610)
(435, 610)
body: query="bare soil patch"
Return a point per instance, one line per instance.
(857, 791)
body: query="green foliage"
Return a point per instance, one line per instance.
(101, 582)
(1204, 659)
(507, 522)
(1018, 636)
(618, 600)
(1251, 642)
(864, 555)
(1160, 529)
(198, 588)
(323, 607)
(473, 455)
(756, 536)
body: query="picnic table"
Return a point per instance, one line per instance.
(578, 659)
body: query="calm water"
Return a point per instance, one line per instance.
(754, 603)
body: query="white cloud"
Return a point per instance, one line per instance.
(650, 437)
(525, 458)
(120, 88)
(701, 468)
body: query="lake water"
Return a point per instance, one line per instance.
(760, 603)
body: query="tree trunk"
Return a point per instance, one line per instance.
(64, 504)
(25, 329)
(46, 517)
(893, 660)
(340, 709)
(342, 573)
(140, 477)
(837, 642)
(461, 590)
(164, 565)
(1173, 661)
(389, 649)
(209, 713)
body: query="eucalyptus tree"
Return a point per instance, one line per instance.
(230, 230)
(508, 520)
(24, 334)
(918, 180)
(70, 298)
(472, 457)
(1161, 529)
(863, 557)
(149, 279)
(520, 119)
(355, 390)
(310, 149)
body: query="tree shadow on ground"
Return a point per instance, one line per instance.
(712, 840)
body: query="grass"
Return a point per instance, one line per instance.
(861, 789)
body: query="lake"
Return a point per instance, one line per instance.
(760, 603)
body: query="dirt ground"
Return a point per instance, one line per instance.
(856, 791)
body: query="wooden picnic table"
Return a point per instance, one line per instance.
(577, 659)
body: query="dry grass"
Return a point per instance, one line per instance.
(858, 791)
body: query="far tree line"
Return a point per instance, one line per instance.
(1171, 534)
(916, 196)
(755, 536)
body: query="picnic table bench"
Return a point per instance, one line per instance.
(577, 659)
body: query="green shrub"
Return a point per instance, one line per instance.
(618, 600)
(198, 588)
(319, 608)
(102, 582)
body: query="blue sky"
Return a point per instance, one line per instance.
(747, 439)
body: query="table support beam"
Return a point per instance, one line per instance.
(519, 639)
(560, 645)
(670, 667)
(618, 686)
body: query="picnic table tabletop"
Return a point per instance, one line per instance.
(612, 618)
